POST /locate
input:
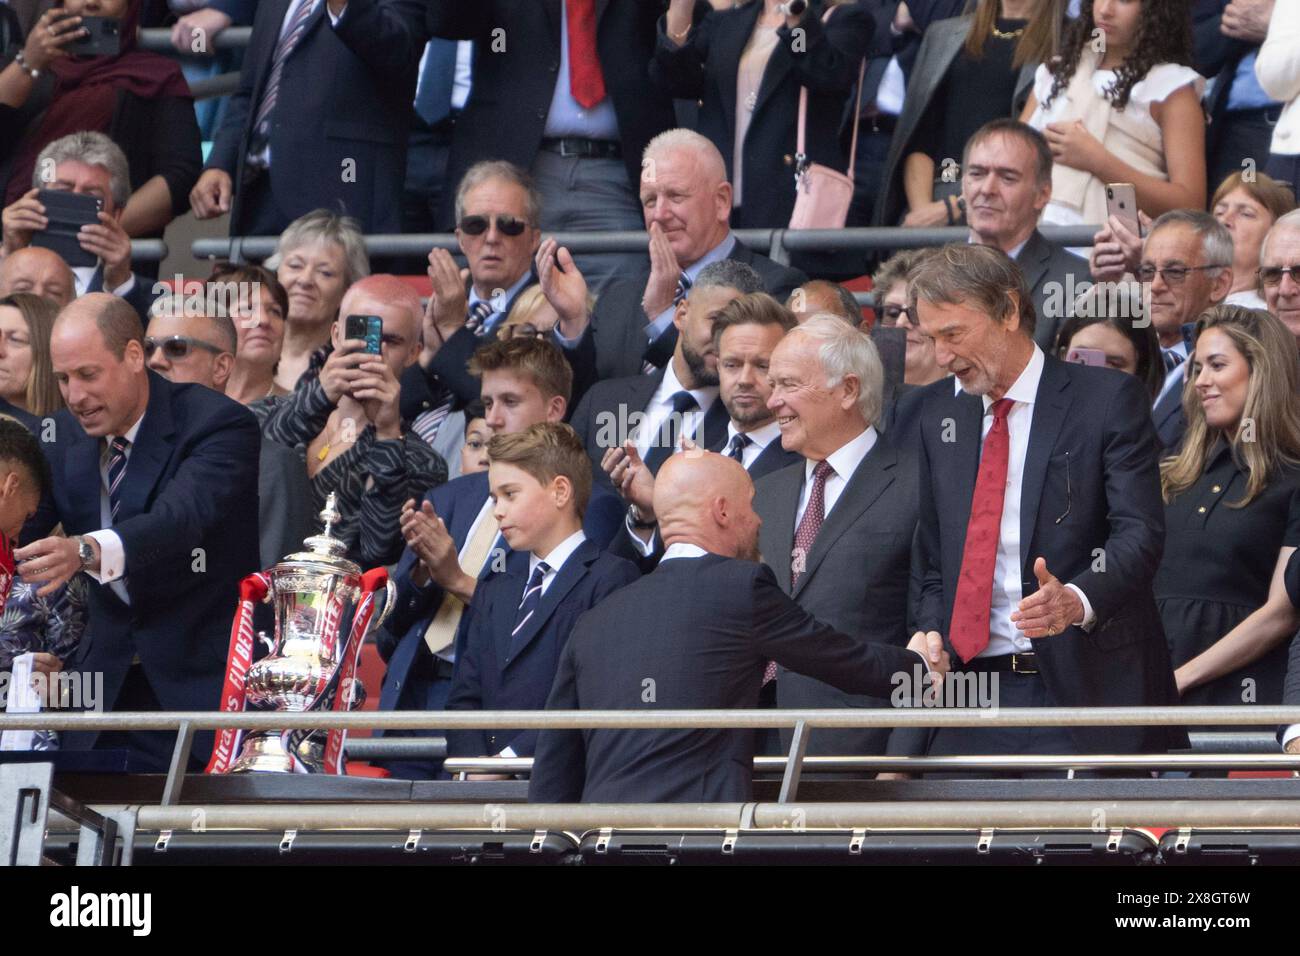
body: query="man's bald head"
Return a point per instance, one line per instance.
(706, 499)
(38, 271)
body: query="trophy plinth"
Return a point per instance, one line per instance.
(315, 594)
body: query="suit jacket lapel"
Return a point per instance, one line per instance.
(778, 65)
(573, 571)
(151, 452)
(1033, 260)
(865, 485)
(83, 472)
(959, 472)
(789, 486)
(1050, 407)
(713, 430)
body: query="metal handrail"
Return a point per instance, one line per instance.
(148, 250)
(1168, 716)
(777, 242)
(159, 40)
(1008, 762)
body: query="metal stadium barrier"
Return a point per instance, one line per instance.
(148, 250)
(777, 243)
(159, 39)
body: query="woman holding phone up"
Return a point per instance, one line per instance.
(139, 100)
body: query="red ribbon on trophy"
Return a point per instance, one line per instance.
(252, 590)
(371, 582)
(7, 567)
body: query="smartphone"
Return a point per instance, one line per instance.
(368, 328)
(67, 213)
(1121, 202)
(1086, 357)
(104, 38)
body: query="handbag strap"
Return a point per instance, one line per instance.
(857, 113)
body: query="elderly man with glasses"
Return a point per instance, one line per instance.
(1186, 268)
(1279, 270)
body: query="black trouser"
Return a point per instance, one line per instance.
(1245, 135)
(150, 751)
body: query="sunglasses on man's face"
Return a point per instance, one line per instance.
(506, 225)
(1272, 275)
(176, 348)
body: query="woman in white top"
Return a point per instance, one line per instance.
(1120, 105)
(1248, 207)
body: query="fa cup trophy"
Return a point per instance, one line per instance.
(324, 607)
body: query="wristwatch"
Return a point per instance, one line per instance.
(85, 551)
(638, 520)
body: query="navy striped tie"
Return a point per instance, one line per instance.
(528, 606)
(478, 316)
(116, 469)
(285, 46)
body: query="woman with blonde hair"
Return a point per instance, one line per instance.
(26, 375)
(1232, 512)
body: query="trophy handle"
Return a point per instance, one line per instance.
(390, 600)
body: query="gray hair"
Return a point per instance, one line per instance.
(980, 276)
(321, 225)
(174, 304)
(93, 149)
(687, 141)
(845, 350)
(729, 274)
(1290, 220)
(1216, 241)
(490, 169)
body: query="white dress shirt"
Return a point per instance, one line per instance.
(844, 460)
(555, 560)
(81, 276)
(112, 553)
(660, 407)
(759, 439)
(683, 549)
(1008, 587)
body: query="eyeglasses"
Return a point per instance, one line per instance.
(892, 313)
(175, 348)
(1272, 275)
(507, 225)
(1173, 275)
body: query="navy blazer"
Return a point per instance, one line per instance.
(140, 296)
(458, 503)
(489, 677)
(1090, 506)
(188, 522)
(338, 134)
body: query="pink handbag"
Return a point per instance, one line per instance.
(823, 195)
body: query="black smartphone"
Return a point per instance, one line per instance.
(367, 328)
(104, 38)
(67, 213)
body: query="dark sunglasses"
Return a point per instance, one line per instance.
(1272, 275)
(177, 347)
(477, 225)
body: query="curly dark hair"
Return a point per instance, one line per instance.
(1164, 35)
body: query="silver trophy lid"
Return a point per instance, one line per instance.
(324, 547)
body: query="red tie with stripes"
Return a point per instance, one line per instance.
(586, 81)
(969, 632)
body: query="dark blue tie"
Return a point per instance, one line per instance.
(433, 95)
(738, 445)
(529, 605)
(116, 471)
(1173, 359)
(664, 441)
(478, 318)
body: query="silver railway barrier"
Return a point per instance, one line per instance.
(777, 243)
(27, 797)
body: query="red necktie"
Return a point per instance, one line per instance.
(969, 632)
(813, 516)
(586, 82)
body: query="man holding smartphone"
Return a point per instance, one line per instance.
(88, 164)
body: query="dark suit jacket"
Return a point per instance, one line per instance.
(705, 68)
(942, 42)
(190, 484)
(697, 633)
(516, 62)
(1047, 267)
(1090, 482)
(613, 343)
(605, 409)
(488, 677)
(338, 133)
(855, 578)
(140, 296)
(423, 389)
(458, 503)
(285, 512)
(1217, 57)
(1168, 418)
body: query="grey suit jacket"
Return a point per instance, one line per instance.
(285, 513)
(856, 576)
(942, 43)
(1047, 268)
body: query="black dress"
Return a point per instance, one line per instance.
(1217, 567)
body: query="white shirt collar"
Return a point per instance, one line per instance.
(504, 300)
(682, 549)
(671, 385)
(845, 459)
(559, 554)
(129, 436)
(761, 437)
(1023, 389)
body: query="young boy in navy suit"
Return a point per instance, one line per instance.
(516, 625)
